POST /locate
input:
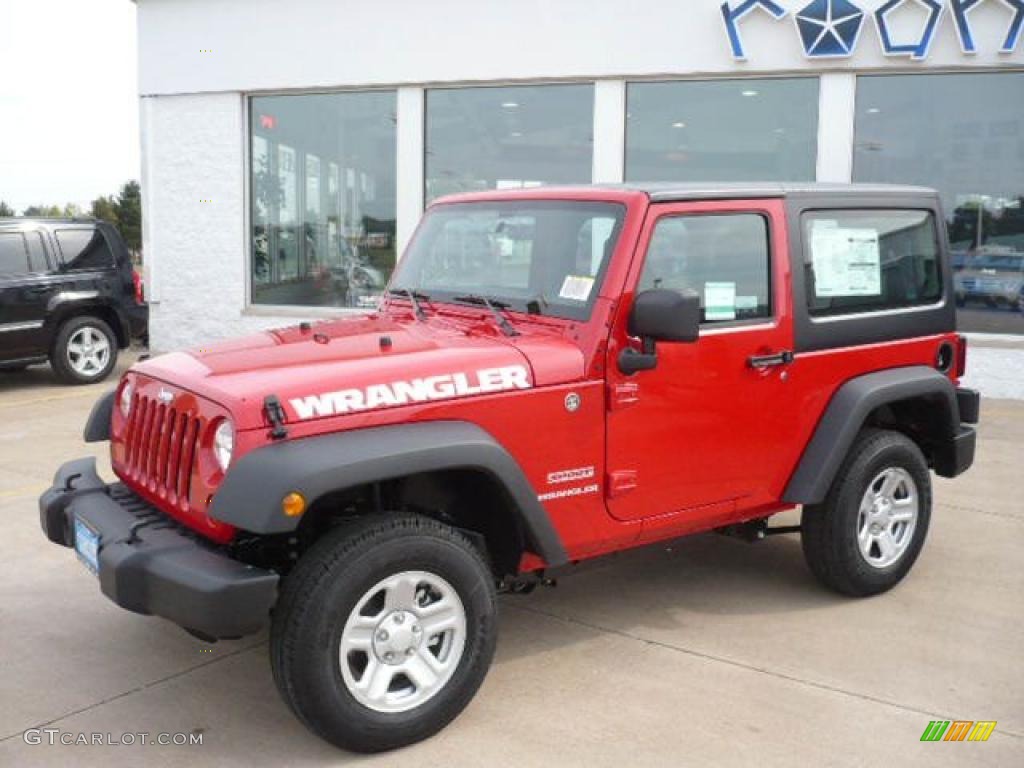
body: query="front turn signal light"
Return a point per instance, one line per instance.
(294, 504)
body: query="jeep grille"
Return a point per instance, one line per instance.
(161, 446)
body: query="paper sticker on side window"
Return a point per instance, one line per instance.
(846, 261)
(719, 301)
(576, 288)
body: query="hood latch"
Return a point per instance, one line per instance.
(275, 415)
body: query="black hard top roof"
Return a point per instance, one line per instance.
(669, 191)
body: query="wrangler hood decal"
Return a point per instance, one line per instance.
(440, 387)
(363, 364)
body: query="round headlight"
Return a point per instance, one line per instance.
(224, 444)
(126, 399)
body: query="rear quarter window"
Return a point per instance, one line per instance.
(37, 260)
(870, 260)
(84, 249)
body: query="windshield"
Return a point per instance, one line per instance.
(1000, 263)
(545, 257)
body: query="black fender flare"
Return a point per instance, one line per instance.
(97, 427)
(846, 413)
(250, 495)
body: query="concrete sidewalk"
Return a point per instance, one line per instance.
(706, 652)
(995, 365)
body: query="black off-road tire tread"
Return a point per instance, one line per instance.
(346, 543)
(829, 549)
(60, 366)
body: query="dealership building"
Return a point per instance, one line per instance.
(289, 148)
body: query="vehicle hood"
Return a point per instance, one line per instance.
(364, 363)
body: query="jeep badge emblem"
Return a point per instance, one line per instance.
(164, 395)
(572, 402)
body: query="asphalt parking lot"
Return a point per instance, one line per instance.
(706, 652)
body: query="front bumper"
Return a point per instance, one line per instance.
(152, 565)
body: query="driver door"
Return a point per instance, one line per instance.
(699, 434)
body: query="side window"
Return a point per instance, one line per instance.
(724, 258)
(84, 249)
(13, 254)
(36, 252)
(863, 261)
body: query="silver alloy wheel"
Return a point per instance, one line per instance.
(887, 517)
(403, 641)
(88, 351)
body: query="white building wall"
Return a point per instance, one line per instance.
(188, 46)
(193, 164)
(199, 59)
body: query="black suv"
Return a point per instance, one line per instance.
(68, 294)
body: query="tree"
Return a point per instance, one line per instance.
(42, 211)
(129, 215)
(5, 209)
(105, 209)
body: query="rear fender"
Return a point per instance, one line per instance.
(847, 413)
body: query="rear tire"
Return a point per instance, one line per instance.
(85, 351)
(864, 538)
(383, 632)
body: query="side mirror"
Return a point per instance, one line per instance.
(659, 315)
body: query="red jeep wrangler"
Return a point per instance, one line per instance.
(553, 375)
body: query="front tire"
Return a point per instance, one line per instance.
(384, 632)
(864, 538)
(85, 351)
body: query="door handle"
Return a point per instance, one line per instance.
(785, 357)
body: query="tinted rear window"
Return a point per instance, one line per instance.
(84, 249)
(870, 260)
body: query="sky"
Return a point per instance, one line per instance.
(69, 115)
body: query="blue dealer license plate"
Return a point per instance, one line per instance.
(87, 545)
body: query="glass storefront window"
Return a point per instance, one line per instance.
(507, 137)
(722, 130)
(964, 135)
(323, 198)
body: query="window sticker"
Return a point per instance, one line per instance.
(576, 288)
(719, 301)
(746, 302)
(847, 262)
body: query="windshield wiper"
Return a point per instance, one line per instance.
(493, 305)
(537, 304)
(414, 298)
